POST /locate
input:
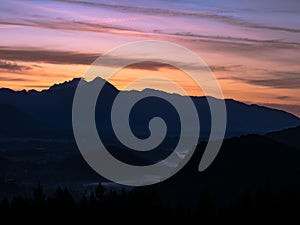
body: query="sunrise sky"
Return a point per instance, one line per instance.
(253, 47)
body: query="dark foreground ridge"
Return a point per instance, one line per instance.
(242, 166)
(265, 206)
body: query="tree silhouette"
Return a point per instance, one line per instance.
(266, 206)
(99, 191)
(39, 196)
(205, 210)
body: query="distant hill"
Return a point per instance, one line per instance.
(290, 137)
(53, 109)
(15, 122)
(242, 165)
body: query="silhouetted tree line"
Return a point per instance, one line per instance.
(266, 206)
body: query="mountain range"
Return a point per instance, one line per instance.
(49, 113)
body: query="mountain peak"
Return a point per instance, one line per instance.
(7, 90)
(98, 81)
(72, 84)
(67, 84)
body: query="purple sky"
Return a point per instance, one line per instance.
(253, 47)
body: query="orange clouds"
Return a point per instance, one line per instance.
(155, 76)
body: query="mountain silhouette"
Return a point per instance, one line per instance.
(52, 110)
(290, 137)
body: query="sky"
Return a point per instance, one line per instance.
(253, 47)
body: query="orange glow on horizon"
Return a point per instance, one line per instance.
(163, 78)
